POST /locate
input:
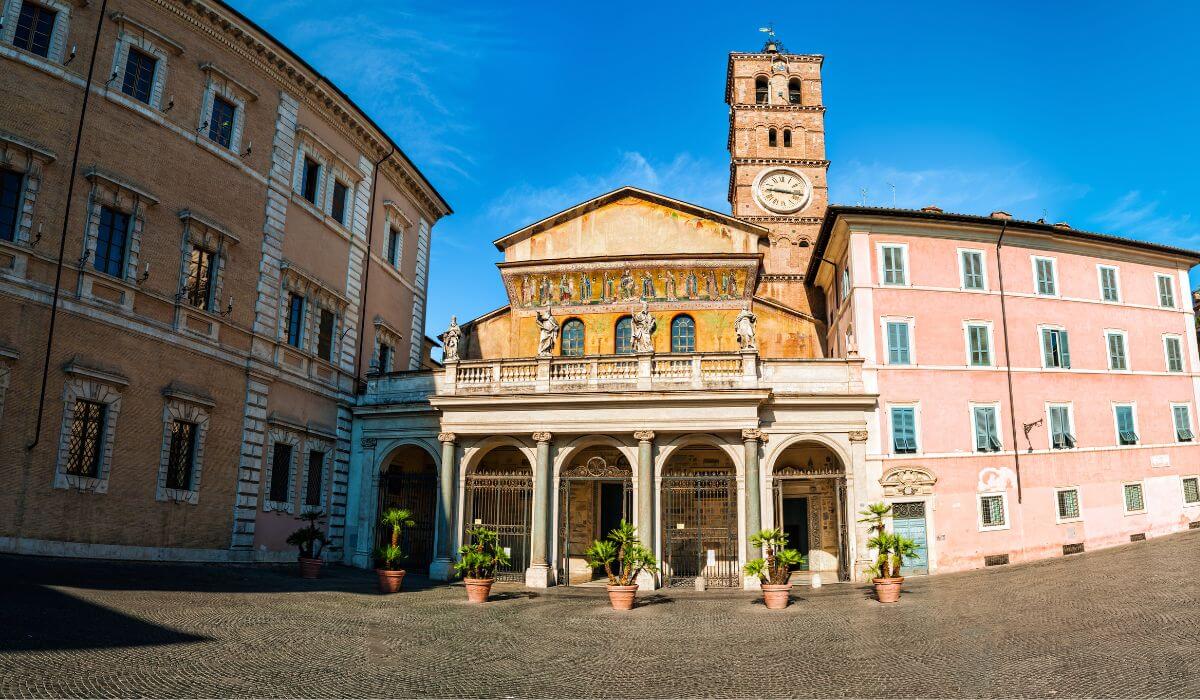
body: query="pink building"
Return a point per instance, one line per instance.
(1037, 384)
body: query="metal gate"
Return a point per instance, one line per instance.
(908, 520)
(502, 502)
(700, 535)
(575, 537)
(416, 491)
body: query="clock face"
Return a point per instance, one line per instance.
(781, 190)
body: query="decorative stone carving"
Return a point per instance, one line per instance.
(907, 481)
(369, 443)
(643, 329)
(547, 332)
(446, 437)
(450, 341)
(643, 435)
(851, 341)
(598, 468)
(858, 436)
(541, 436)
(744, 327)
(751, 434)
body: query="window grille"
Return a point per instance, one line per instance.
(991, 510)
(139, 75)
(1134, 498)
(281, 472)
(316, 467)
(85, 445)
(1191, 490)
(1068, 504)
(200, 273)
(182, 456)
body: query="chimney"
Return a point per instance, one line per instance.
(1001, 215)
(1062, 224)
(932, 209)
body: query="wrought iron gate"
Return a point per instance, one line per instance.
(504, 503)
(416, 491)
(787, 474)
(572, 543)
(700, 535)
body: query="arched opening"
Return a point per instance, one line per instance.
(787, 138)
(794, 91)
(683, 334)
(623, 336)
(409, 480)
(572, 338)
(809, 485)
(772, 137)
(595, 493)
(498, 495)
(761, 90)
(698, 502)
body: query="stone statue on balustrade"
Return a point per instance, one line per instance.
(744, 327)
(643, 326)
(450, 341)
(547, 332)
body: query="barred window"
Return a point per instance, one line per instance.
(281, 473)
(991, 511)
(111, 237)
(1191, 490)
(683, 334)
(1068, 504)
(182, 459)
(1135, 500)
(35, 28)
(624, 336)
(220, 121)
(316, 467)
(139, 75)
(200, 273)
(572, 338)
(85, 446)
(10, 203)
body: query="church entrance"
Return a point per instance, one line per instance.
(595, 492)
(795, 525)
(410, 481)
(809, 485)
(498, 495)
(700, 519)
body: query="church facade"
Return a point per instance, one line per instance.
(705, 375)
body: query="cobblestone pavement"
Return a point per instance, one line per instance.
(1122, 622)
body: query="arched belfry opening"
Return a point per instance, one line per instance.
(409, 480)
(498, 494)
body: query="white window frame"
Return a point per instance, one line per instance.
(1158, 277)
(1190, 424)
(1117, 426)
(1108, 332)
(1070, 424)
(1003, 506)
(962, 269)
(903, 247)
(909, 321)
(1053, 274)
(58, 38)
(1183, 491)
(1100, 283)
(1166, 339)
(971, 406)
(991, 341)
(1125, 502)
(1041, 348)
(916, 407)
(1078, 504)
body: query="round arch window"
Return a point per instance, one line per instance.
(683, 334)
(572, 338)
(623, 341)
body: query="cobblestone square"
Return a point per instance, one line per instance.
(1116, 623)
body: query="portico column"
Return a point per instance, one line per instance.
(751, 438)
(538, 574)
(443, 562)
(645, 504)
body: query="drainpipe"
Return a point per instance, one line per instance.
(362, 298)
(62, 241)
(1012, 411)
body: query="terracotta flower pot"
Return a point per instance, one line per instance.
(777, 596)
(310, 568)
(390, 579)
(478, 589)
(887, 590)
(622, 597)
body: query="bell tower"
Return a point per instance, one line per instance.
(777, 167)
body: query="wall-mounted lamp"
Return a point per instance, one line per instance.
(145, 273)
(249, 147)
(170, 104)
(70, 58)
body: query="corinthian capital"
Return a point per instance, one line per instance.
(751, 434)
(858, 436)
(446, 437)
(542, 436)
(643, 435)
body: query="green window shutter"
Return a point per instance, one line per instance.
(1064, 349)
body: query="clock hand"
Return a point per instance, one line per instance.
(777, 189)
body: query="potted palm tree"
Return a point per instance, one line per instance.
(892, 549)
(622, 548)
(478, 561)
(309, 540)
(775, 567)
(389, 557)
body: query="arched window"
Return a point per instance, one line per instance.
(623, 345)
(572, 338)
(683, 334)
(787, 138)
(760, 90)
(772, 138)
(794, 91)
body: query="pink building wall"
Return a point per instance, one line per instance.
(943, 387)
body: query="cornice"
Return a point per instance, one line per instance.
(776, 108)
(807, 162)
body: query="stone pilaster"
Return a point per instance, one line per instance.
(443, 562)
(538, 574)
(422, 285)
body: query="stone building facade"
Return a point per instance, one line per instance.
(194, 297)
(705, 375)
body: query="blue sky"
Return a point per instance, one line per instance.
(1083, 112)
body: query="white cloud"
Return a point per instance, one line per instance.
(1135, 217)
